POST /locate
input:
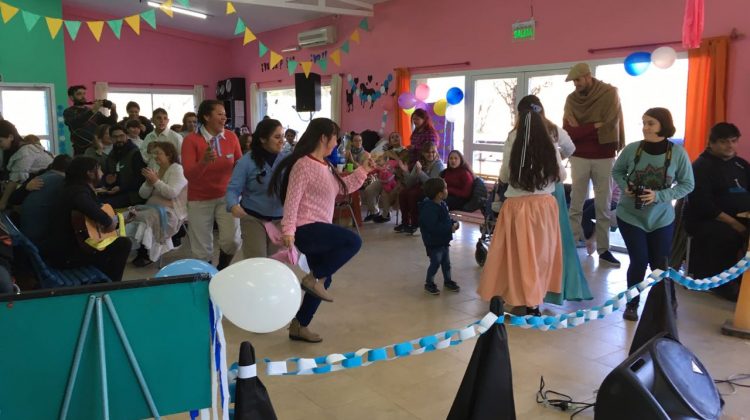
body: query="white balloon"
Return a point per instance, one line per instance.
(302, 263)
(258, 294)
(348, 77)
(452, 113)
(664, 57)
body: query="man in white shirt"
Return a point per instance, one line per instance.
(161, 133)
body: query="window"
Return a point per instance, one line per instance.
(29, 108)
(176, 103)
(280, 104)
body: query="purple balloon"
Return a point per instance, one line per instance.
(422, 105)
(407, 100)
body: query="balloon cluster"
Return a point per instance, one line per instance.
(638, 62)
(444, 107)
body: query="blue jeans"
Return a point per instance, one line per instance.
(439, 257)
(327, 248)
(645, 248)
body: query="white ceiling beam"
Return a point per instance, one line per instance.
(359, 3)
(321, 7)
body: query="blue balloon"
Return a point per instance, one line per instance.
(454, 96)
(637, 63)
(187, 267)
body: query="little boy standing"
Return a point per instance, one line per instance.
(437, 232)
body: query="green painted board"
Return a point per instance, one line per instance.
(167, 324)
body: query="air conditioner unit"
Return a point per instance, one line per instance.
(317, 37)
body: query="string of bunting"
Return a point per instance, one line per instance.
(444, 339)
(275, 57)
(96, 27)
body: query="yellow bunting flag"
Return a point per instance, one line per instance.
(54, 26)
(336, 57)
(166, 7)
(230, 8)
(7, 11)
(249, 37)
(96, 28)
(355, 36)
(275, 59)
(135, 23)
(306, 67)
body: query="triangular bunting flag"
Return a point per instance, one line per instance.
(249, 36)
(345, 47)
(72, 26)
(54, 26)
(275, 59)
(166, 7)
(355, 36)
(135, 23)
(7, 11)
(230, 8)
(364, 24)
(184, 3)
(116, 26)
(291, 66)
(240, 28)
(150, 18)
(323, 63)
(336, 57)
(96, 28)
(262, 49)
(306, 67)
(30, 19)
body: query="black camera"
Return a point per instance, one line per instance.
(106, 103)
(638, 191)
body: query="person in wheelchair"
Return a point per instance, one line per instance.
(722, 180)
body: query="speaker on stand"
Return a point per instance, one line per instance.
(307, 92)
(232, 92)
(662, 380)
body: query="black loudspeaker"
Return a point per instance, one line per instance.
(307, 91)
(231, 89)
(662, 380)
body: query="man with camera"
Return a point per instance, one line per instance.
(722, 181)
(593, 118)
(82, 120)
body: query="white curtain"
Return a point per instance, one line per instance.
(198, 95)
(255, 106)
(100, 92)
(336, 83)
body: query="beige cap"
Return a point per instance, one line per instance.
(580, 69)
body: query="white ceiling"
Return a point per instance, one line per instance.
(259, 18)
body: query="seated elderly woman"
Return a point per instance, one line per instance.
(165, 192)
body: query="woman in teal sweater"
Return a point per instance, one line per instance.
(652, 173)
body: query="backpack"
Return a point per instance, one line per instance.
(478, 195)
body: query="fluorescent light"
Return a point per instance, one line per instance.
(180, 10)
(291, 49)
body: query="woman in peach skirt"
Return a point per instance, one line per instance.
(524, 261)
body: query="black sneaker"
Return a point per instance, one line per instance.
(411, 230)
(431, 289)
(381, 219)
(370, 217)
(400, 228)
(452, 286)
(610, 259)
(631, 313)
(533, 311)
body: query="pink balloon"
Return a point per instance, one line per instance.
(422, 92)
(407, 100)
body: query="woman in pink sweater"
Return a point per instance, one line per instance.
(308, 185)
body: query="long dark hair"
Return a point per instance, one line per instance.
(77, 172)
(7, 129)
(532, 103)
(427, 125)
(534, 168)
(462, 165)
(307, 144)
(264, 130)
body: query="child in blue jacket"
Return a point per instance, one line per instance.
(437, 232)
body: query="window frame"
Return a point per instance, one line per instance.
(262, 91)
(52, 117)
(151, 91)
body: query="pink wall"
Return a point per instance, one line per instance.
(162, 58)
(409, 33)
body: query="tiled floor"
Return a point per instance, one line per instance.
(379, 301)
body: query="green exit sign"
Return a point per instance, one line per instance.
(524, 30)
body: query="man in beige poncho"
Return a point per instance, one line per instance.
(593, 118)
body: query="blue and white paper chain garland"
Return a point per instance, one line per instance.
(442, 340)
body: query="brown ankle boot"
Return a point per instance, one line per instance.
(299, 333)
(316, 288)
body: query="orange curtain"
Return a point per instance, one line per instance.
(403, 121)
(706, 92)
